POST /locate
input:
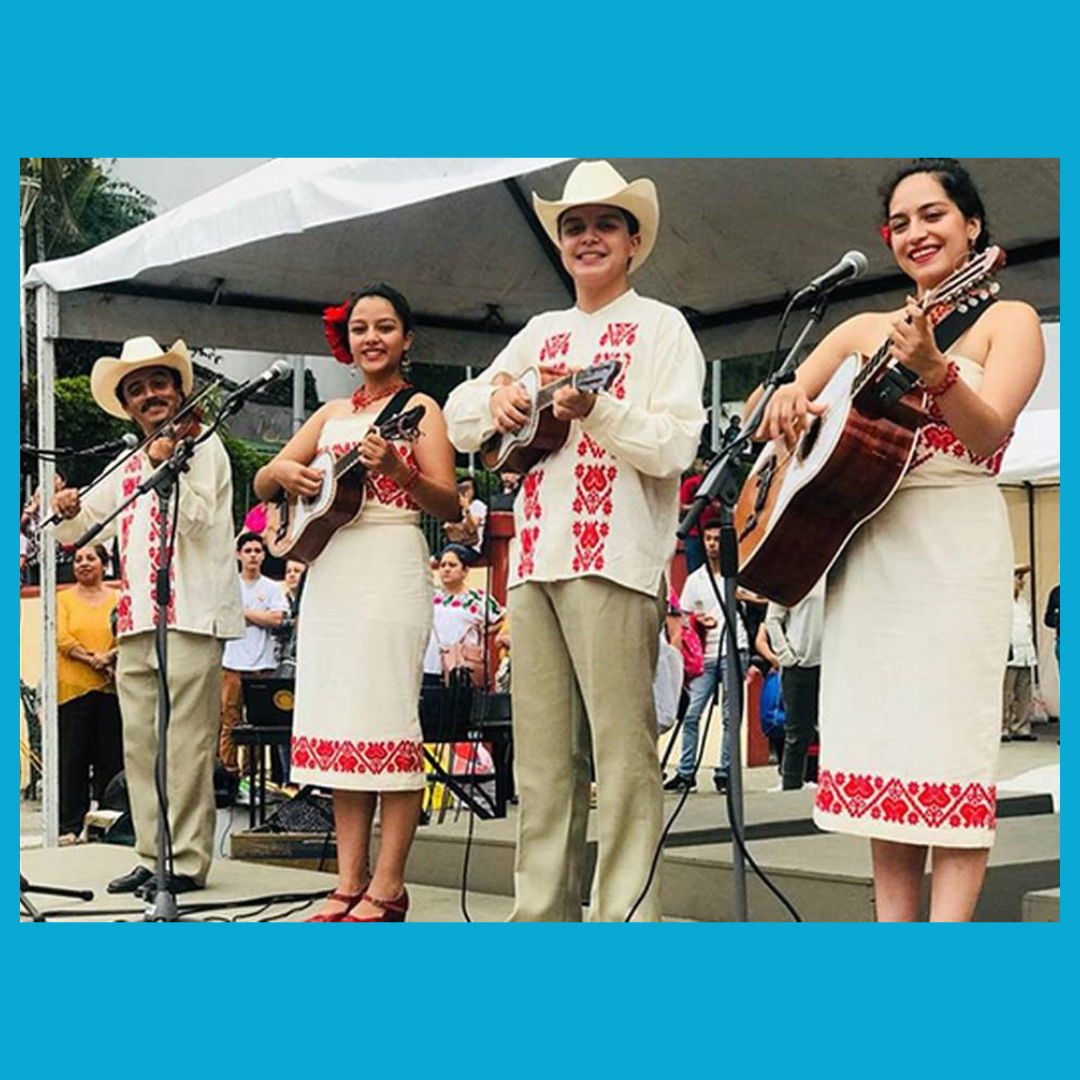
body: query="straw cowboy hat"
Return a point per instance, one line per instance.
(138, 352)
(596, 183)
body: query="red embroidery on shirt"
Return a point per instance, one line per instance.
(530, 502)
(935, 804)
(555, 347)
(345, 756)
(385, 490)
(592, 505)
(154, 540)
(614, 342)
(527, 551)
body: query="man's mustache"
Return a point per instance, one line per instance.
(153, 403)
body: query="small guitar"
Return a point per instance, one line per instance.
(801, 505)
(299, 527)
(543, 434)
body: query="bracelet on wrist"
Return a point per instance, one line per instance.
(411, 477)
(950, 379)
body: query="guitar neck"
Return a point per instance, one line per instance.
(348, 461)
(546, 394)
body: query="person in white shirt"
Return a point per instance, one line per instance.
(795, 637)
(468, 533)
(149, 385)
(264, 607)
(595, 523)
(699, 599)
(1016, 710)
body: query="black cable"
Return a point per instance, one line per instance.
(730, 637)
(736, 834)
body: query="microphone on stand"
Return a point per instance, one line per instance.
(277, 370)
(853, 264)
(125, 442)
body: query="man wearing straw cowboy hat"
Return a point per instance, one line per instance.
(149, 385)
(595, 528)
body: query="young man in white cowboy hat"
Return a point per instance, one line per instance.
(595, 528)
(148, 385)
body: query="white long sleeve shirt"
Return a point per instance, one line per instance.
(205, 589)
(607, 502)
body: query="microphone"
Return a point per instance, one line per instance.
(277, 370)
(125, 442)
(852, 265)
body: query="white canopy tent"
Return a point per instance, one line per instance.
(250, 264)
(1031, 479)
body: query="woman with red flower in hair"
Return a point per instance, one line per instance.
(918, 606)
(367, 606)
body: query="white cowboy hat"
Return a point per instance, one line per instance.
(138, 352)
(596, 183)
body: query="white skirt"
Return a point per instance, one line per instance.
(917, 621)
(364, 624)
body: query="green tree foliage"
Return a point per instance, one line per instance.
(246, 462)
(80, 206)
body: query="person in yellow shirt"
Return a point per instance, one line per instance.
(91, 749)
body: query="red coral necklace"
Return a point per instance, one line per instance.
(362, 397)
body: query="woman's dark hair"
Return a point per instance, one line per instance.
(388, 293)
(464, 554)
(958, 185)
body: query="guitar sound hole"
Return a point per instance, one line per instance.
(806, 444)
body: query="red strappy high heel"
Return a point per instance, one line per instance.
(392, 910)
(350, 900)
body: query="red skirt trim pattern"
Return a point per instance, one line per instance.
(345, 756)
(926, 803)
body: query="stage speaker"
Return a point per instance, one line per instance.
(306, 812)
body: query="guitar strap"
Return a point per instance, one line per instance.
(397, 403)
(951, 328)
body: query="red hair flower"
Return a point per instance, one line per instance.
(336, 327)
(886, 234)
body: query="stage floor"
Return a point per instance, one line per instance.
(232, 882)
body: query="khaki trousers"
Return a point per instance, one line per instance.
(584, 655)
(194, 669)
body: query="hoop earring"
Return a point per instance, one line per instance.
(406, 366)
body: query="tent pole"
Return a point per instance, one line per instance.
(297, 393)
(48, 329)
(714, 413)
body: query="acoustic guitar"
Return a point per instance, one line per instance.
(543, 434)
(299, 527)
(800, 505)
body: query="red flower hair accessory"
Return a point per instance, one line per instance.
(336, 328)
(886, 234)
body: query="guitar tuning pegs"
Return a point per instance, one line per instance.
(995, 287)
(962, 308)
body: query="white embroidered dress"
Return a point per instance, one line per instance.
(917, 618)
(366, 618)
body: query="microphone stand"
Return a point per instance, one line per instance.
(721, 482)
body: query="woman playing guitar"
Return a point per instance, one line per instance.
(367, 607)
(917, 613)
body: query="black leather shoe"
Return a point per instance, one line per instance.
(131, 881)
(176, 883)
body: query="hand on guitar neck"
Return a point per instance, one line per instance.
(511, 404)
